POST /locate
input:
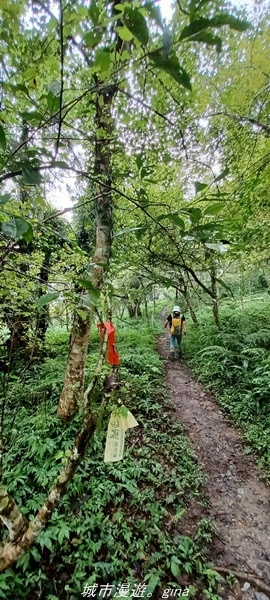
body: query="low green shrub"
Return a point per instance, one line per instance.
(118, 522)
(234, 362)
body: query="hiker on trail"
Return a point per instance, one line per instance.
(177, 323)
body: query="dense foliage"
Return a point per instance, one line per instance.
(154, 135)
(234, 362)
(117, 523)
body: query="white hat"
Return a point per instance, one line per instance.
(176, 309)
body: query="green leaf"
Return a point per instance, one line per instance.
(210, 227)
(53, 103)
(143, 197)
(233, 22)
(196, 5)
(22, 227)
(170, 64)
(32, 117)
(92, 38)
(153, 582)
(140, 232)
(16, 88)
(102, 60)
(94, 12)
(176, 220)
(48, 543)
(175, 568)
(139, 159)
(125, 34)
(4, 199)
(195, 214)
(35, 553)
(60, 164)
(207, 37)
(31, 176)
(224, 285)
(9, 228)
(119, 7)
(167, 41)
(213, 209)
(46, 299)
(222, 175)
(3, 141)
(82, 313)
(29, 234)
(85, 283)
(89, 300)
(30, 73)
(24, 561)
(60, 454)
(194, 27)
(200, 186)
(198, 25)
(154, 13)
(62, 237)
(15, 228)
(123, 411)
(64, 532)
(136, 23)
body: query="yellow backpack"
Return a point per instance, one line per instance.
(176, 326)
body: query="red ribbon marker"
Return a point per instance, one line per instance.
(112, 356)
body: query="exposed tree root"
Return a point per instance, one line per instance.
(258, 584)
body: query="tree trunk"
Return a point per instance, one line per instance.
(20, 323)
(18, 333)
(190, 307)
(146, 309)
(138, 312)
(72, 392)
(215, 295)
(210, 256)
(43, 317)
(131, 310)
(241, 286)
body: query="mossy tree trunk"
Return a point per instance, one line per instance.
(72, 392)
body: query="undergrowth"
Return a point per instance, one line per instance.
(118, 522)
(234, 362)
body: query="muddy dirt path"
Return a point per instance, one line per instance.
(239, 501)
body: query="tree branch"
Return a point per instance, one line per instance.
(71, 208)
(242, 119)
(61, 75)
(11, 515)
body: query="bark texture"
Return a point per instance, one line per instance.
(209, 255)
(190, 307)
(215, 295)
(11, 515)
(72, 393)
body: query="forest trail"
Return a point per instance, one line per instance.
(239, 501)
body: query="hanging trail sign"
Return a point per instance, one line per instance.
(112, 356)
(115, 441)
